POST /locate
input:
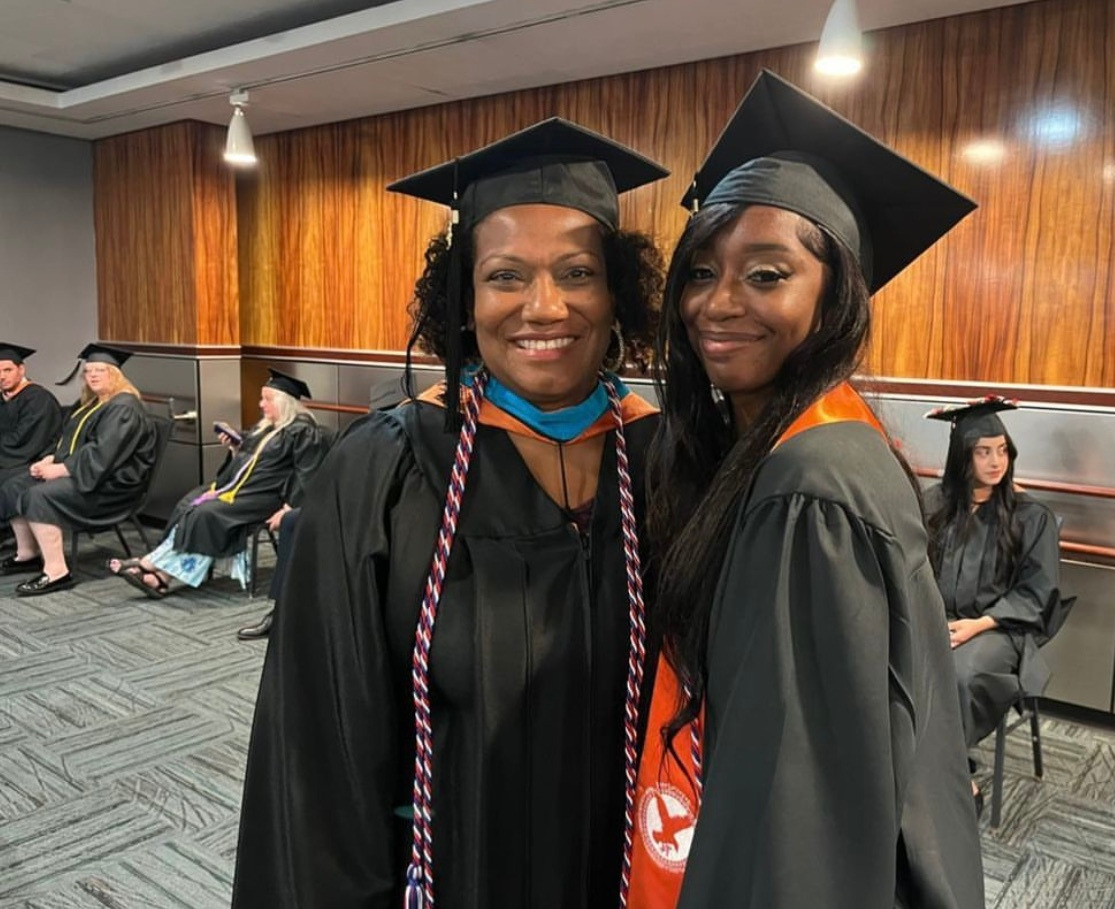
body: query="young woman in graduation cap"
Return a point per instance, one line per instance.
(448, 702)
(995, 552)
(804, 745)
(98, 467)
(264, 476)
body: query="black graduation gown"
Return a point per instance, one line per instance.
(29, 427)
(528, 677)
(833, 738)
(994, 667)
(109, 450)
(218, 528)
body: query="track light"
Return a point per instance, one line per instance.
(840, 52)
(239, 149)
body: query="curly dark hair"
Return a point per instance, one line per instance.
(634, 271)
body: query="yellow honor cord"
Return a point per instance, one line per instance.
(81, 424)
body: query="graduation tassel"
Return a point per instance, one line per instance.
(454, 210)
(454, 319)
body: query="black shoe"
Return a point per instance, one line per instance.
(977, 796)
(12, 565)
(259, 630)
(43, 584)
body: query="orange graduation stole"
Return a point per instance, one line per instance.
(667, 795)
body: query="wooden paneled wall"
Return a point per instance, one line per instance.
(1015, 106)
(165, 215)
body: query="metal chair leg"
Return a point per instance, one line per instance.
(73, 549)
(1035, 736)
(253, 563)
(141, 530)
(997, 773)
(123, 542)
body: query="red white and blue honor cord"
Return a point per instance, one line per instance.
(420, 873)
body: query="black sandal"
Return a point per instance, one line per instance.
(136, 579)
(124, 566)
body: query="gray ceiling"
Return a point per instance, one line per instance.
(93, 68)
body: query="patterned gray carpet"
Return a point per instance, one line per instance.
(124, 726)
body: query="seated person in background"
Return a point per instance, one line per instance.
(384, 395)
(30, 418)
(98, 468)
(263, 477)
(996, 556)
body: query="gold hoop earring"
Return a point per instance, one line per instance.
(616, 362)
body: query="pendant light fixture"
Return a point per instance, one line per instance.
(239, 148)
(840, 52)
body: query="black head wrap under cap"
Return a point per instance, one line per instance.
(808, 186)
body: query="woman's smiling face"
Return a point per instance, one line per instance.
(542, 309)
(751, 297)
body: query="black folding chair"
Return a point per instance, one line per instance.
(130, 514)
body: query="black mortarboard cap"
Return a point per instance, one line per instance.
(976, 419)
(101, 353)
(98, 353)
(553, 162)
(296, 388)
(14, 352)
(786, 149)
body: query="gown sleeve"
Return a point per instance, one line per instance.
(811, 719)
(35, 431)
(1037, 578)
(308, 449)
(317, 824)
(121, 430)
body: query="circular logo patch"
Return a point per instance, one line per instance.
(665, 820)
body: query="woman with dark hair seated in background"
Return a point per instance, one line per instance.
(997, 558)
(263, 478)
(806, 661)
(99, 467)
(529, 563)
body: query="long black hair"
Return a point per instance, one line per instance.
(951, 524)
(699, 470)
(441, 310)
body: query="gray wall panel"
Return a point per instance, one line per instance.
(1082, 655)
(47, 251)
(219, 395)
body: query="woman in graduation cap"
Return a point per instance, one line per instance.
(99, 466)
(264, 477)
(479, 761)
(803, 713)
(995, 552)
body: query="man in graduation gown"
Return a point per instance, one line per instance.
(30, 417)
